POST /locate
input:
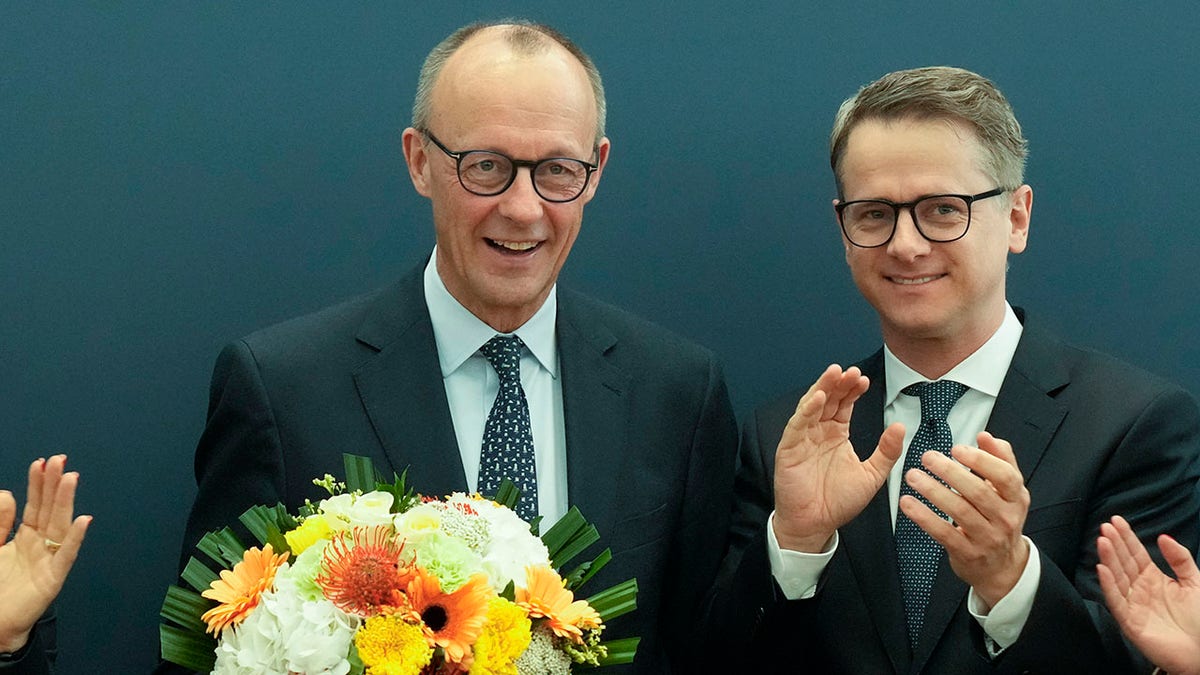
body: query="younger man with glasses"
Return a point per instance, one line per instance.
(601, 410)
(846, 558)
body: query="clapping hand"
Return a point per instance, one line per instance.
(35, 563)
(1160, 615)
(982, 493)
(820, 484)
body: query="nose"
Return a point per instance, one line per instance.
(520, 203)
(907, 243)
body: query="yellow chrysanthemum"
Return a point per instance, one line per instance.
(545, 595)
(504, 638)
(314, 528)
(389, 645)
(239, 589)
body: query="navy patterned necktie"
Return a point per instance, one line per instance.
(507, 450)
(917, 552)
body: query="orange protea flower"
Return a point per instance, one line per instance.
(453, 621)
(239, 589)
(545, 595)
(363, 574)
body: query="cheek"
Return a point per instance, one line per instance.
(566, 223)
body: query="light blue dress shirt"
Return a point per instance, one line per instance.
(472, 385)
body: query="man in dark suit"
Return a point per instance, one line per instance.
(629, 423)
(841, 558)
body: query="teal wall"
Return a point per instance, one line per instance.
(174, 175)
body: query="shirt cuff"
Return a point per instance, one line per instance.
(797, 573)
(1002, 625)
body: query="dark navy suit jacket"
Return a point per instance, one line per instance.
(1093, 438)
(650, 434)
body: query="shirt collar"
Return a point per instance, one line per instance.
(983, 371)
(458, 333)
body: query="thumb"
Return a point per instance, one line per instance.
(8, 513)
(1180, 560)
(891, 444)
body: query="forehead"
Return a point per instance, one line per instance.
(905, 158)
(488, 94)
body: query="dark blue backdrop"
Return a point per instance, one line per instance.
(173, 176)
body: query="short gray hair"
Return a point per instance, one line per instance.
(524, 37)
(939, 92)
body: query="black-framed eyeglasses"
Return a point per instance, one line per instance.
(868, 223)
(486, 173)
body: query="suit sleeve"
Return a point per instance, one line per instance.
(38, 655)
(700, 540)
(744, 598)
(239, 458)
(1149, 478)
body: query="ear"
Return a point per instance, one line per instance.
(417, 160)
(602, 149)
(1020, 210)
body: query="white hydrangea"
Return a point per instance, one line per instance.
(510, 548)
(286, 634)
(372, 508)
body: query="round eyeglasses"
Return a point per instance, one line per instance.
(868, 223)
(486, 173)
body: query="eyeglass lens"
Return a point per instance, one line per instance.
(939, 218)
(489, 173)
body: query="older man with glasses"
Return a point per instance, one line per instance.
(934, 508)
(476, 367)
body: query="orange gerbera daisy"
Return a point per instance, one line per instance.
(239, 589)
(363, 574)
(453, 621)
(545, 595)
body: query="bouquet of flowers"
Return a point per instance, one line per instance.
(378, 580)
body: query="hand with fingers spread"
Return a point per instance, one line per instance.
(1159, 614)
(820, 483)
(984, 495)
(35, 563)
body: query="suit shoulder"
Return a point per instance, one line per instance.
(594, 317)
(1095, 368)
(334, 322)
(1098, 380)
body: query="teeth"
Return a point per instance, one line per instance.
(913, 282)
(515, 245)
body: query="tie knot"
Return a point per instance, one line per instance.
(504, 353)
(937, 398)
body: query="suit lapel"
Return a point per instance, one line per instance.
(1025, 415)
(595, 412)
(402, 392)
(868, 541)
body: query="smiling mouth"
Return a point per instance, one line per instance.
(915, 281)
(513, 247)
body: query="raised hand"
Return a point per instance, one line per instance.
(820, 484)
(1160, 615)
(985, 497)
(34, 565)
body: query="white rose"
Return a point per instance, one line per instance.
(372, 508)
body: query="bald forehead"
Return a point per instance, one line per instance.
(506, 42)
(503, 65)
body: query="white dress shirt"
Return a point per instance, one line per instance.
(472, 385)
(983, 373)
